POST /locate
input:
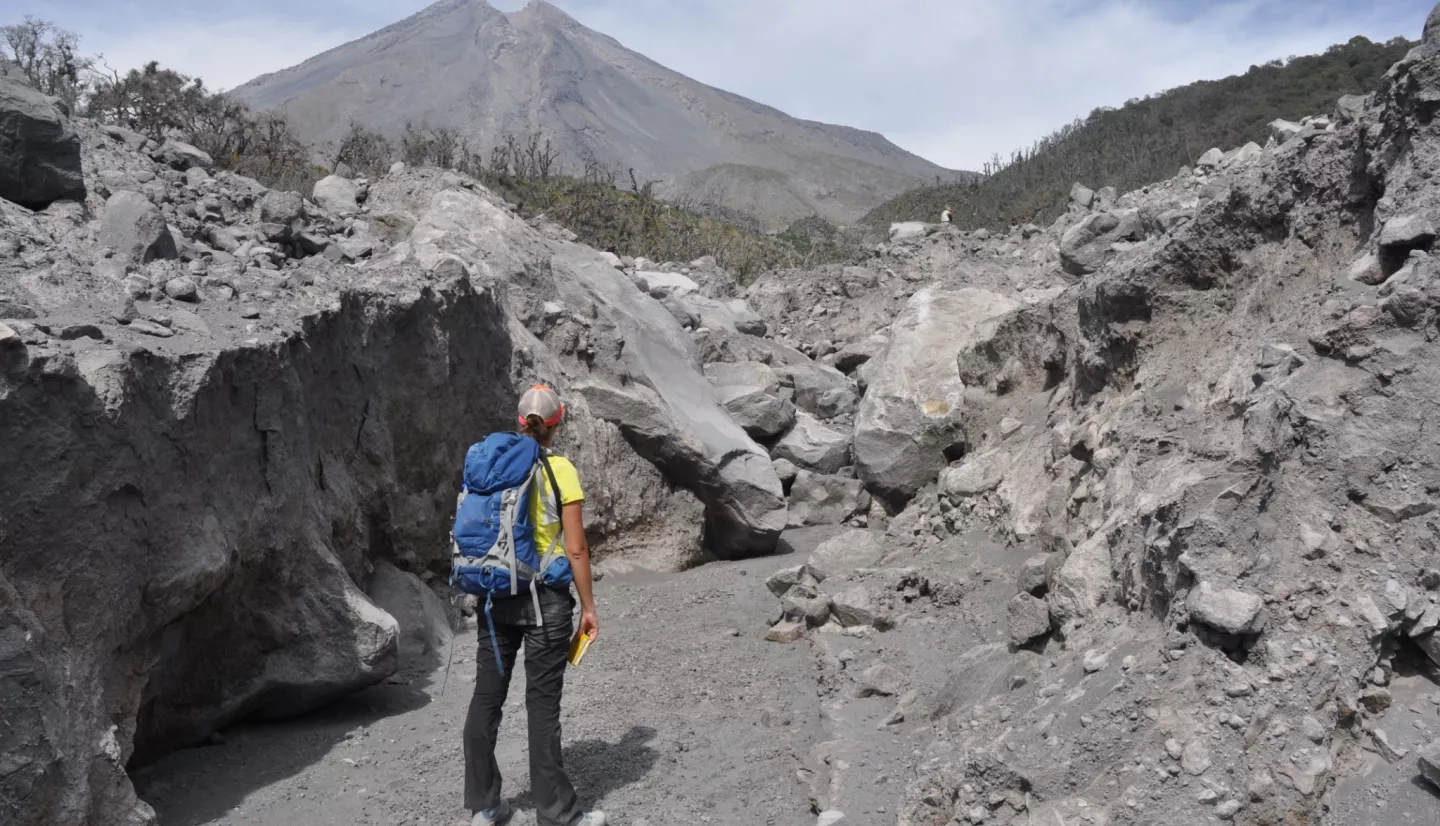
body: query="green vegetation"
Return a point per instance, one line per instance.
(626, 220)
(1148, 140)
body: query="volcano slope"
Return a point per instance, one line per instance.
(1127, 519)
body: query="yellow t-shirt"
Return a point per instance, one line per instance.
(544, 512)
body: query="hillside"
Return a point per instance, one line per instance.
(1147, 140)
(488, 74)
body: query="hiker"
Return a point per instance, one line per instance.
(523, 580)
(946, 214)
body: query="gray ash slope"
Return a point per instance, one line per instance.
(463, 64)
(1125, 520)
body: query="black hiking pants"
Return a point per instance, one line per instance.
(547, 651)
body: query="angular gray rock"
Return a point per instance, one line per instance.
(336, 194)
(135, 230)
(846, 553)
(424, 629)
(39, 152)
(1428, 756)
(813, 446)
(817, 499)
(1211, 159)
(281, 207)
(182, 156)
(822, 391)
(1408, 232)
(750, 392)
(1085, 247)
(1027, 618)
(1082, 195)
(1227, 610)
(912, 413)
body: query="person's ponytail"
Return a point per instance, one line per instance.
(536, 429)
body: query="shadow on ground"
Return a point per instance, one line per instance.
(256, 755)
(598, 768)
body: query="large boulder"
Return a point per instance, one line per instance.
(813, 446)
(750, 392)
(817, 499)
(336, 194)
(39, 152)
(135, 230)
(910, 420)
(182, 156)
(642, 372)
(1085, 246)
(731, 314)
(424, 628)
(820, 390)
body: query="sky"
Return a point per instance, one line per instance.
(952, 80)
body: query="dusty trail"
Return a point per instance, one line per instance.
(672, 719)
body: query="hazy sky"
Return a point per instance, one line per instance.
(953, 80)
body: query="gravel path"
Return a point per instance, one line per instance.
(682, 713)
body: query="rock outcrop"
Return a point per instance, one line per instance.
(39, 152)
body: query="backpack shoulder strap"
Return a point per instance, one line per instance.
(554, 483)
(559, 511)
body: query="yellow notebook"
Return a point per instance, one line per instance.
(579, 646)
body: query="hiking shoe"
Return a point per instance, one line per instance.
(592, 819)
(500, 814)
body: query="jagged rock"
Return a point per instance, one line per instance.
(830, 817)
(1366, 270)
(1036, 574)
(1350, 108)
(912, 413)
(846, 552)
(1428, 756)
(1027, 618)
(1407, 232)
(1082, 195)
(812, 611)
(750, 392)
(1083, 582)
(817, 499)
(784, 579)
(822, 391)
(424, 631)
(182, 288)
(39, 152)
(1247, 153)
(135, 229)
(879, 680)
(1227, 611)
(336, 194)
(1283, 130)
(813, 446)
(182, 156)
(786, 471)
(662, 284)
(856, 353)
(1210, 159)
(1085, 246)
(786, 632)
(281, 207)
(977, 475)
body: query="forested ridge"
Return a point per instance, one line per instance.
(1148, 139)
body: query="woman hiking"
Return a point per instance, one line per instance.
(547, 644)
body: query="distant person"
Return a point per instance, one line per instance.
(946, 215)
(523, 578)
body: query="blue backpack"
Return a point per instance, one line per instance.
(494, 551)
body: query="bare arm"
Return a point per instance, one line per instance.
(572, 521)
